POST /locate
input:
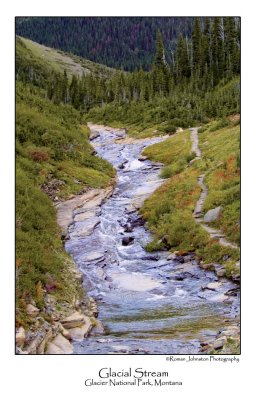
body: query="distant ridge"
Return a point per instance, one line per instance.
(119, 42)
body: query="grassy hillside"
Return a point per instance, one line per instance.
(62, 61)
(221, 160)
(53, 160)
(169, 211)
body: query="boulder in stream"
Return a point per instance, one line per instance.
(73, 321)
(128, 228)
(79, 333)
(142, 158)
(126, 241)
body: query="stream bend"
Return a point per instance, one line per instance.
(148, 304)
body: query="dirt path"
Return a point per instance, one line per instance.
(194, 139)
(198, 212)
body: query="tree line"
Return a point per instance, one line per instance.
(198, 65)
(126, 43)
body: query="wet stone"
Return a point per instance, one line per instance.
(93, 256)
(148, 302)
(126, 241)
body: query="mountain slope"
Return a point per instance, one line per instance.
(61, 61)
(54, 161)
(120, 42)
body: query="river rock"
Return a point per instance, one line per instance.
(64, 331)
(126, 241)
(151, 257)
(20, 336)
(98, 329)
(94, 134)
(93, 307)
(137, 222)
(235, 277)
(219, 298)
(79, 276)
(219, 343)
(232, 292)
(207, 348)
(103, 340)
(230, 332)
(18, 351)
(32, 311)
(181, 276)
(86, 227)
(142, 158)
(121, 349)
(79, 333)
(213, 285)
(128, 228)
(53, 349)
(179, 259)
(212, 214)
(210, 267)
(189, 257)
(84, 215)
(234, 328)
(45, 341)
(63, 343)
(74, 320)
(35, 343)
(221, 273)
(93, 256)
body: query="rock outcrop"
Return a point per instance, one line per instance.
(212, 215)
(88, 203)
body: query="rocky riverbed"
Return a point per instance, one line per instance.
(149, 303)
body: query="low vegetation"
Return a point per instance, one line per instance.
(221, 160)
(53, 160)
(169, 211)
(186, 106)
(175, 153)
(60, 61)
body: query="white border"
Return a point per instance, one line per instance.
(63, 376)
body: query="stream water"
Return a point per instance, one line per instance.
(148, 304)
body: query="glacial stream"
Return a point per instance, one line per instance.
(148, 304)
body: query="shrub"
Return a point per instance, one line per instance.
(214, 252)
(190, 157)
(219, 125)
(155, 245)
(203, 129)
(168, 129)
(39, 154)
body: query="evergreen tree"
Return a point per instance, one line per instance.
(207, 54)
(74, 92)
(182, 66)
(206, 43)
(232, 47)
(218, 56)
(65, 90)
(160, 71)
(197, 49)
